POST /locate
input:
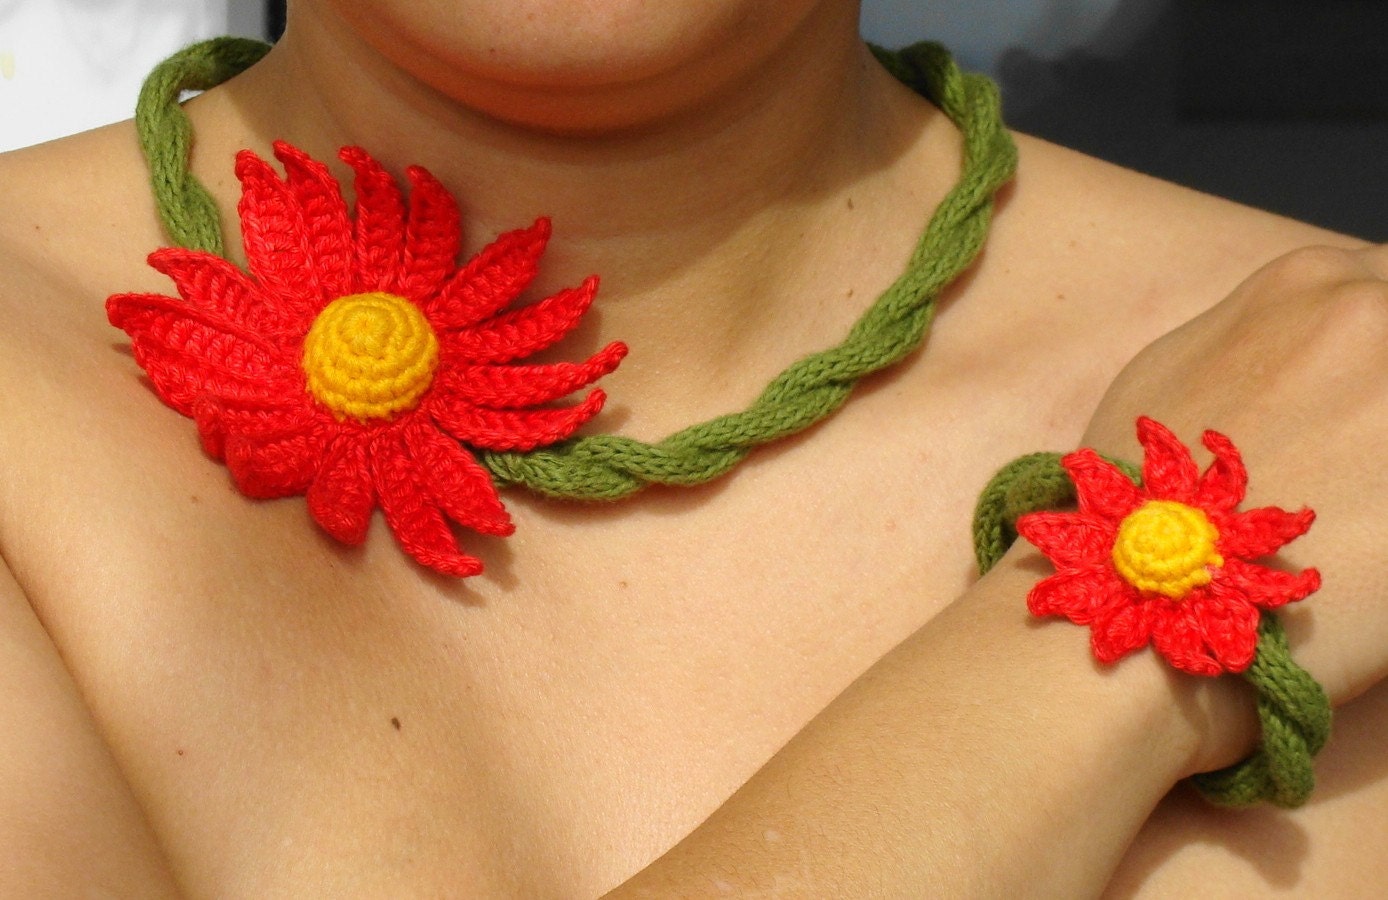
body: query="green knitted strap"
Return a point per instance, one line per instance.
(1295, 717)
(609, 467)
(1293, 709)
(188, 211)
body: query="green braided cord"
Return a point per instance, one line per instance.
(1295, 717)
(188, 211)
(608, 467)
(1293, 709)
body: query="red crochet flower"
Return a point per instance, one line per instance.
(356, 355)
(1168, 562)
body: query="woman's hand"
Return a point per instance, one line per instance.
(1293, 367)
(954, 766)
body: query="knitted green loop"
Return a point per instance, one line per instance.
(1293, 709)
(1295, 717)
(188, 211)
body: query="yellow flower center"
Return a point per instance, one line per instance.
(370, 356)
(1167, 548)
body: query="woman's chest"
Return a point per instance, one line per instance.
(300, 716)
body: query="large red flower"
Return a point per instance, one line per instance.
(1169, 562)
(356, 358)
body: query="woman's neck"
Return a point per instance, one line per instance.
(711, 223)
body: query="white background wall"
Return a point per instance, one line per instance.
(69, 65)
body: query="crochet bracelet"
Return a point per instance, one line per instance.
(1162, 555)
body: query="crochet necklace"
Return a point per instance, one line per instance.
(359, 365)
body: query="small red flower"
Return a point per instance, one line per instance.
(356, 355)
(1169, 562)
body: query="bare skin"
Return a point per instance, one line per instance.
(251, 710)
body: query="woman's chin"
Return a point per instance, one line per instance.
(570, 65)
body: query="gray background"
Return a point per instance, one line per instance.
(1281, 104)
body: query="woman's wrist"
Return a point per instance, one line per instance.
(1193, 724)
(1222, 716)
(1163, 557)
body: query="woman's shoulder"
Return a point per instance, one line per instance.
(78, 204)
(1124, 223)
(1083, 249)
(79, 223)
(78, 226)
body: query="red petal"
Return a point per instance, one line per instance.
(259, 419)
(526, 330)
(1222, 486)
(151, 316)
(1068, 539)
(1229, 624)
(432, 235)
(1102, 488)
(327, 228)
(272, 231)
(380, 231)
(462, 488)
(211, 283)
(279, 414)
(189, 353)
(1179, 637)
(206, 413)
(275, 464)
(1168, 470)
(1078, 594)
(509, 387)
(1122, 628)
(413, 516)
(1259, 532)
(491, 279)
(495, 429)
(1265, 588)
(342, 497)
(183, 382)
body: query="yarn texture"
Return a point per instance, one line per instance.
(1169, 562)
(356, 362)
(370, 356)
(1162, 554)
